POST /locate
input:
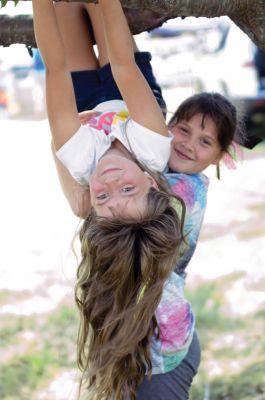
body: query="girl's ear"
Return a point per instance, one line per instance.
(152, 181)
(218, 158)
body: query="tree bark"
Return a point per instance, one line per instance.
(147, 14)
(17, 29)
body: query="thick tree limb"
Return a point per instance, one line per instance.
(148, 14)
(17, 29)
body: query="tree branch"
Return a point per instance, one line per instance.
(147, 14)
(17, 29)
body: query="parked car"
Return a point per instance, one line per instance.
(254, 107)
(205, 54)
(227, 66)
(172, 56)
(259, 60)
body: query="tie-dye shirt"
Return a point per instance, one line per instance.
(174, 313)
(193, 190)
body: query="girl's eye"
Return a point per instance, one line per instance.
(183, 130)
(206, 142)
(102, 196)
(128, 189)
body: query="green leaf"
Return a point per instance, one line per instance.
(3, 3)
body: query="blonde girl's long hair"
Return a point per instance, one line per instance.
(124, 266)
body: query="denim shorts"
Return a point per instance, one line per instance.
(93, 87)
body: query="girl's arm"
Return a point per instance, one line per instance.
(138, 96)
(61, 106)
(78, 196)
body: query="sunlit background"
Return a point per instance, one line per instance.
(37, 266)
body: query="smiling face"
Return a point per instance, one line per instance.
(119, 186)
(194, 145)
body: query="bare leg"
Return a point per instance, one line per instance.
(97, 24)
(73, 24)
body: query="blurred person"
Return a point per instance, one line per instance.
(38, 64)
(259, 60)
(38, 75)
(3, 92)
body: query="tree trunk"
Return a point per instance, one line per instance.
(147, 14)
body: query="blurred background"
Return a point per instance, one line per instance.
(226, 276)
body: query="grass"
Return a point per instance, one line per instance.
(260, 208)
(9, 330)
(24, 374)
(30, 364)
(247, 385)
(40, 347)
(233, 347)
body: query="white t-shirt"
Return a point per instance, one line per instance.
(81, 153)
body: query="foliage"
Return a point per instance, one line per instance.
(36, 348)
(24, 374)
(247, 385)
(30, 366)
(208, 303)
(233, 346)
(4, 2)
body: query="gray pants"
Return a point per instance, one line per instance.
(173, 385)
